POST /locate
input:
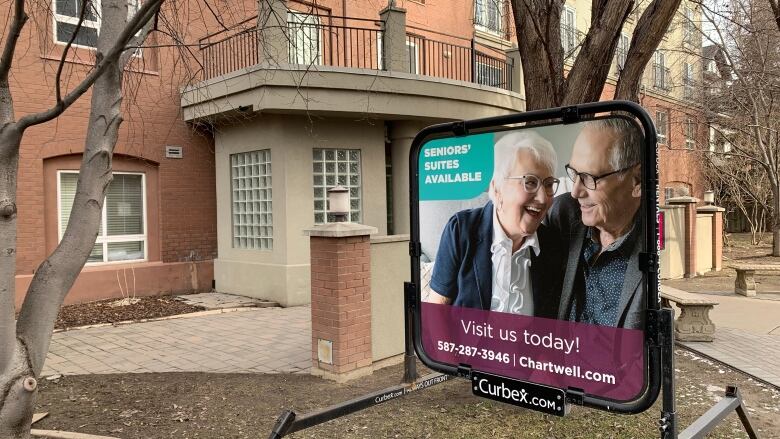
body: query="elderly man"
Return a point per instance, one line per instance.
(602, 284)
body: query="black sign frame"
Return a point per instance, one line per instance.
(648, 260)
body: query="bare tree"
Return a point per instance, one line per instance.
(24, 343)
(745, 105)
(539, 38)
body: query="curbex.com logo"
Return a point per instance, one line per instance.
(532, 396)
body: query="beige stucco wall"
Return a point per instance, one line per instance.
(389, 271)
(283, 274)
(703, 243)
(671, 258)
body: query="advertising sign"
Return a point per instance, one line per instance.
(535, 260)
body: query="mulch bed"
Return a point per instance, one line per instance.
(93, 313)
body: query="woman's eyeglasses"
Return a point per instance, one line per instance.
(532, 183)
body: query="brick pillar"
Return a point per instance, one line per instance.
(690, 232)
(394, 52)
(717, 235)
(341, 300)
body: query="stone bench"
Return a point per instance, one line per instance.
(694, 322)
(745, 284)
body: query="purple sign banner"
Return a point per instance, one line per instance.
(601, 360)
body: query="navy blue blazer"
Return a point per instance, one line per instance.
(463, 269)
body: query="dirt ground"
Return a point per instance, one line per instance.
(739, 249)
(196, 405)
(112, 311)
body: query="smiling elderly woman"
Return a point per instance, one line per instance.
(500, 257)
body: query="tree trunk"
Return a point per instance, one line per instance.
(775, 220)
(23, 355)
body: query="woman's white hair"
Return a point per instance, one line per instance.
(508, 147)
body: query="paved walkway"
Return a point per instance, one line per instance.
(278, 340)
(747, 333)
(266, 340)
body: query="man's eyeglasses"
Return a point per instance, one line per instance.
(589, 180)
(532, 183)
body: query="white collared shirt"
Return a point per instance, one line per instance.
(512, 291)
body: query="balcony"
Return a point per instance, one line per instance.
(356, 43)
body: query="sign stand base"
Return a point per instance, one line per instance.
(709, 420)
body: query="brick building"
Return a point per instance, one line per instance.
(294, 98)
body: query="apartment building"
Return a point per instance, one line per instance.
(158, 233)
(217, 180)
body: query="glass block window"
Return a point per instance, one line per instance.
(122, 234)
(250, 182)
(332, 167)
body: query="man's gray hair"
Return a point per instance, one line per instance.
(627, 149)
(507, 148)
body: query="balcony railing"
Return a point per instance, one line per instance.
(354, 43)
(452, 61)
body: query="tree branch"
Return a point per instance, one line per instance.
(145, 13)
(20, 18)
(57, 88)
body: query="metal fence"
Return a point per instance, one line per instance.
(354, 43)
(452, 61)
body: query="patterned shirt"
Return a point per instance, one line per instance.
(512, 289)
(605, 274)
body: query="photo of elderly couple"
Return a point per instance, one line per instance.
(553, 240)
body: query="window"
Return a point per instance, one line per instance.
(334, 167)
(487, 16)
(688, 81)
(660, 72)
(66, 18)
(689, 27)
(622, 52)
(413, 52)
(489, 75)
(661, 126)
(690, 133)
(568, 32)
(122, 235)
(711, 66)
(251, 206)
(304, 38)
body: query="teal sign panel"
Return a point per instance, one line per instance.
(456, 168)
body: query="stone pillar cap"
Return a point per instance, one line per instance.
(340, 230)
(710, 209)
(684, 199)
(393, 9)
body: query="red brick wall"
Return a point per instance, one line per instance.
(187, 199)
(341, 300)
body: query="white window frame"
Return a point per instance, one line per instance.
(413, 48)
(659, 66)
(302, 23)
(689, 30)
(67, 19)
(105, 240)
(690, 133)
(485, 15)
(569, 32)
(132, 8)
(662, 129)
(624, 42)
(688, 74)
